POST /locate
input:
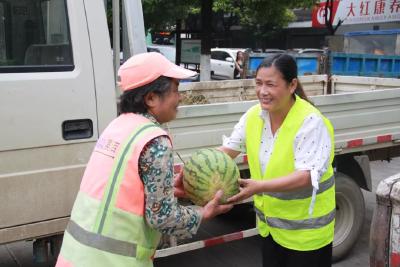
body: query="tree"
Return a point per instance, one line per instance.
(258, 15)
(206, 39)
(329, 17)
(264, 17)
(161, 15)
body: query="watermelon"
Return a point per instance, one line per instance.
(206, 172)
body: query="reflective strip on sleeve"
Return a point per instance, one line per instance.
(303, 193)
(101, 242)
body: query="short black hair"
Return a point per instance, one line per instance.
(132, 101)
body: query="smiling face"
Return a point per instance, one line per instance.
(164, 108)
(273, 92)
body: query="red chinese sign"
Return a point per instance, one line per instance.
(358, 12)
(318, 15)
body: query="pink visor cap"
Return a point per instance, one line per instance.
(142, 69)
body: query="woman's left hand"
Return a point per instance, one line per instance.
(179, 191)
(248, 188)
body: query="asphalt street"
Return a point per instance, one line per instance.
(245, 252)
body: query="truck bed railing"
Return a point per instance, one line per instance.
(362, 121)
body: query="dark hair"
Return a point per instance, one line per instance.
(287, 66)
(133, 100)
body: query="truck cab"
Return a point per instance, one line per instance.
(56, 96)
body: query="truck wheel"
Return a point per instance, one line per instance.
(349, 215)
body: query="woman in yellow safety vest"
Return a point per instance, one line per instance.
(289, 145)
(126, 198)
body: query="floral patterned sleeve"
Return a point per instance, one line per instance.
(162, 209)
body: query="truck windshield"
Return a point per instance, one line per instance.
(34, 36)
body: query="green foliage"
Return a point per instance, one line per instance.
(260, 16)
(263, 17)
(161, 15)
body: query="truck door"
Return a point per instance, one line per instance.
(47, 108)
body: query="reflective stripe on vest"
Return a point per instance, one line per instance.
(311, 223)
(284, 215)
(303, 193)
(101, 242)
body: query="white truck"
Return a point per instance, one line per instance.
(57, 94)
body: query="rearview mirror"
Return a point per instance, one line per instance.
(229, 59)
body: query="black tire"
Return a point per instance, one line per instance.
(350, 211)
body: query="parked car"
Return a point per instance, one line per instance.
(311, 50)
(268, 50)
(305, 51)
(274, 51)
(222, 59)
(223, 62)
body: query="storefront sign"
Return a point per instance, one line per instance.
(358, 12)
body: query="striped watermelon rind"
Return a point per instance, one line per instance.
(207, 171)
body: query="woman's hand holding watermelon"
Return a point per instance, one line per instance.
(213, 208)
(248, 188)
(294, 181)
(178, 186)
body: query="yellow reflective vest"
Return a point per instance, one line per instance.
(285, 215)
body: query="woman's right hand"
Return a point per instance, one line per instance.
(248, 188)
(179, 191)
(213, 208)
